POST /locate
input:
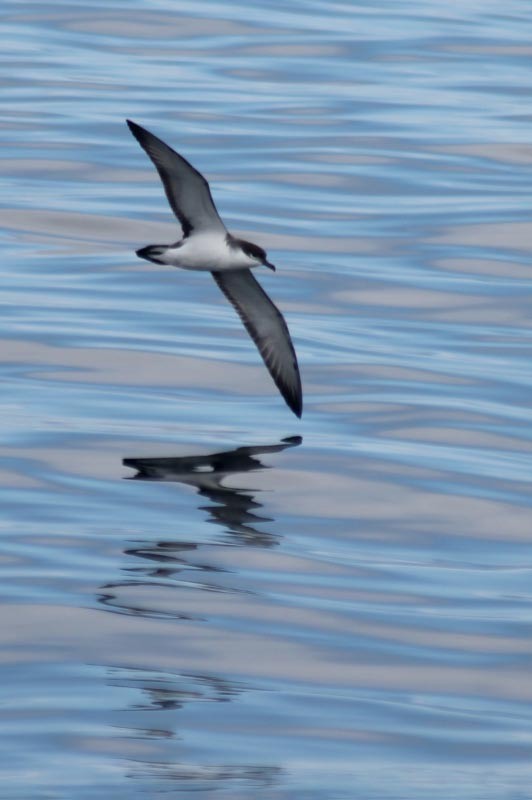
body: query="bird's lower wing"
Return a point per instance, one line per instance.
(267, 327)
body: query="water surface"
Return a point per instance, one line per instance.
(202, 595)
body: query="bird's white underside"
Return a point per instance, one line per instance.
(208, 252)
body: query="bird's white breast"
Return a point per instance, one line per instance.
(209, 252)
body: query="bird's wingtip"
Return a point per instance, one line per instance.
(134, 127)
(296, 405)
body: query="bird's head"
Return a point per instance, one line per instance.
(256, 253)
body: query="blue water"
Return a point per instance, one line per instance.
(201, 595)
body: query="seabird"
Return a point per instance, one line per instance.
(207, 245)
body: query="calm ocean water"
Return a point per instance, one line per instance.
(201, 595)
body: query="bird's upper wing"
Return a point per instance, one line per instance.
(186, 189)
(266, 326)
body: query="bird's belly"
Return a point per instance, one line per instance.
(208, 256)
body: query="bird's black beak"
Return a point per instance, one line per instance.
(270, 266)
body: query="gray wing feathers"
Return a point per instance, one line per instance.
(186, 189)
(267, 327)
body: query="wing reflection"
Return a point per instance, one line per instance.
(234, 509)
(179, 562)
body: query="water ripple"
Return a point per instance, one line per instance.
(200, 594)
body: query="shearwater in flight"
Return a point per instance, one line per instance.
(207, 245)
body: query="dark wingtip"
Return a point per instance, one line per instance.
(295, 404)
(292, 441)
(137, 130)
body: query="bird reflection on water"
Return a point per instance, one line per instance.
(235, 508)
(172, 563)
(155, 588)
